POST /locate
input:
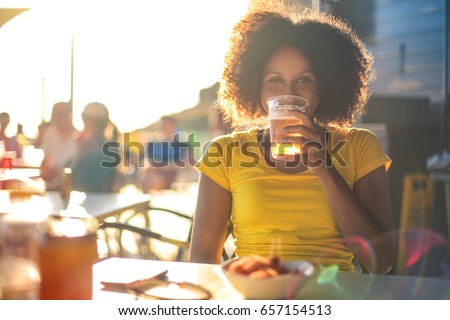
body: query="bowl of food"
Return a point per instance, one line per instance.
(262, 278)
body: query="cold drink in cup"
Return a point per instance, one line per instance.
(284, 111)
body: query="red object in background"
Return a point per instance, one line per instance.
(6, 163)
(8, 157)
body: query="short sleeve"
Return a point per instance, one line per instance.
(214, 162)
(368, 153)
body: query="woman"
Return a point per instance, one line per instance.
(329, 206)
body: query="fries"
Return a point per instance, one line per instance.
(258, 267)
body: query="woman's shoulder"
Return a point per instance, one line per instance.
(353, 134)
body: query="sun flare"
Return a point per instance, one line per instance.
(141, 60)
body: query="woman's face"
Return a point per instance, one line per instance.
(288, 71)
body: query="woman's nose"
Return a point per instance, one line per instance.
(293, 90)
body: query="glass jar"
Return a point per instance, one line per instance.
(67, 252)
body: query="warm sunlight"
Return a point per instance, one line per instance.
(142, 59)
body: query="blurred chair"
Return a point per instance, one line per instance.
(416, 235)
(125, 239)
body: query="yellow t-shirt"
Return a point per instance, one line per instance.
(276, 213)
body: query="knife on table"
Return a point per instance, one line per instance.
(124, 287)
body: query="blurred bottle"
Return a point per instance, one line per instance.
(66, 185)
(20, 137)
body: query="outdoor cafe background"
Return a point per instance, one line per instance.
(116, 49)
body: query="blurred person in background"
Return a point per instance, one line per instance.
(166, 155)
(89, 174)
(10, 143)
(59, 145)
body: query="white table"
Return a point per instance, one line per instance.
(99, 205)
(346, 285)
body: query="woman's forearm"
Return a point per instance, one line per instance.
(367, 217)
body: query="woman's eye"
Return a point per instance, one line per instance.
(305, 80)
(274, 80)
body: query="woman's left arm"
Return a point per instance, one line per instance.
(365, 213)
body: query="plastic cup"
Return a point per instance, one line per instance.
(284, 111)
